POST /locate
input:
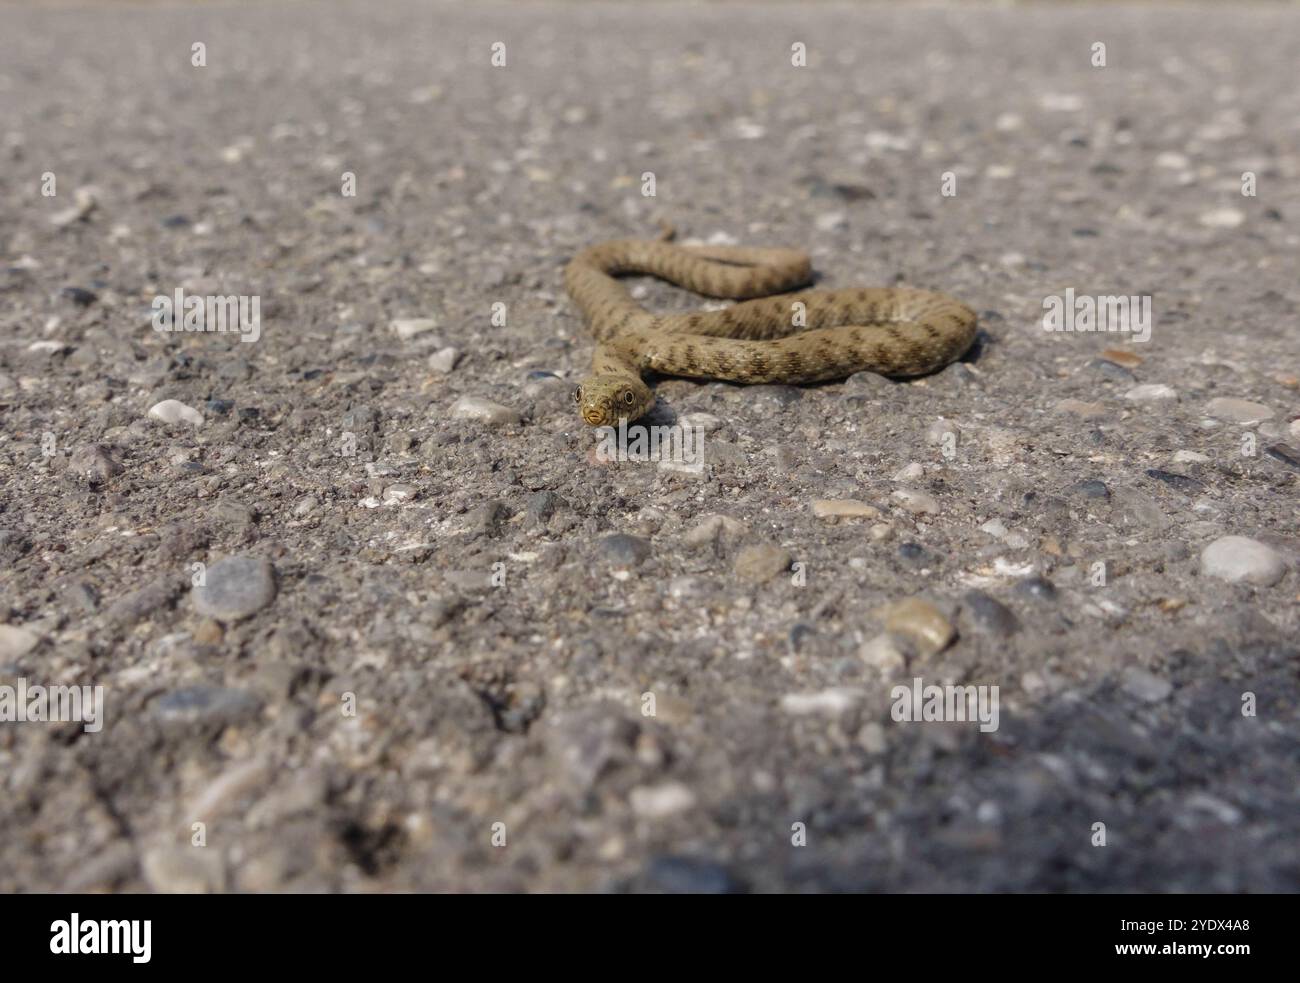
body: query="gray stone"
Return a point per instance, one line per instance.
(917, 502)
(1144, 686)
(688, 875)
(206, 705)
(989, 614)
(94, 463)
(15, 642)
(236, 587)
(1092, 489)
(1238, 410)
(1038, 588)
(622, 550)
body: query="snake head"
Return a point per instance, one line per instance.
(605, 399)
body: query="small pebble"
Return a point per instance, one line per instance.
(917, 502)
(1084, 411)
(829, 702)
(1038, 588)
(1145, 686)
(843, 508)
(759, 564)
(411, 327)
(916, 555)
(831, 221)
(16, 642)
(1092, 489)
(1223, 218)
(1151, 393)
(661, 801)
(174, 411)
(712, 527)
(989, 614)
(1238, 559)
(881, 653)
(541, 507)
(1121, 357)
(94, 463)
(1238, 410)
(1111, 370)
(483, 411)
(193, 705)
(622, 550)
(921, 623)
(235, 588)
(79, 296)
(912, 472)
(1189, 486)
(444, 360)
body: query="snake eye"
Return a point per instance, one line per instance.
(629, 398)
(577, 395)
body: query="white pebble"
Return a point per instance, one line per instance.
(832, 702)
(16, 642)
(174, 411)
(444, 360)
(1151, 393)
(1061, 102)
(831, 222)
(483, 410)
(916, 502)
(660, 801)
(883, 654)
(410, 327)
(1238, 559)
(995, 528)
(1223, 218)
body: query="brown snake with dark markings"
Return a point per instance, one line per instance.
(895, 331)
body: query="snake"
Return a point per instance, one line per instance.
(776, 333)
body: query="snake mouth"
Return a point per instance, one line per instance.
(600, 415)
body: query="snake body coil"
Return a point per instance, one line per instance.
(807, 336)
